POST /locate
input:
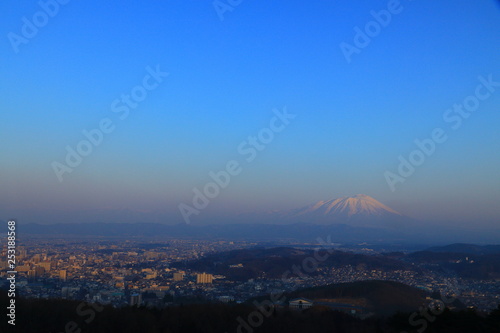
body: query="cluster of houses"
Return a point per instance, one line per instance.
(304, 303)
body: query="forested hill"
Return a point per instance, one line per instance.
(274, 262)
(35, 316)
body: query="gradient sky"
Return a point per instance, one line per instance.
(225, 77)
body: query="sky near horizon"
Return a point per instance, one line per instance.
(235, 72)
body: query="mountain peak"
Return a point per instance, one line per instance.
(359, 204)
(345, 209)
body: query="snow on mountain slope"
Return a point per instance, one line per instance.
(359, 204)
(360, 209)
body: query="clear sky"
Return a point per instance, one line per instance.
(225, 76)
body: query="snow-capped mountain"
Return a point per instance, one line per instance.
(347, 207)
(360, 209)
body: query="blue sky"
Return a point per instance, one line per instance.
(225, 77)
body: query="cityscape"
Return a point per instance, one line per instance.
(143, 272)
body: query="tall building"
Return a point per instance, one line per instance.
(63, 275)
(39, 270)
(37, 258)
(23, 268)
(22, 253)
(68, 292)
(135, 299)
(178, 276)
(31, 275)
(65, 292)
(46, 265)
(204, 278)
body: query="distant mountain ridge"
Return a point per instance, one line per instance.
(303, 232)
(467, 249)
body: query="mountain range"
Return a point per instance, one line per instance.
(354, 219)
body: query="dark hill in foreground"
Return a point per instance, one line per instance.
(375, 297)
(34, 316)
(382, 297)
